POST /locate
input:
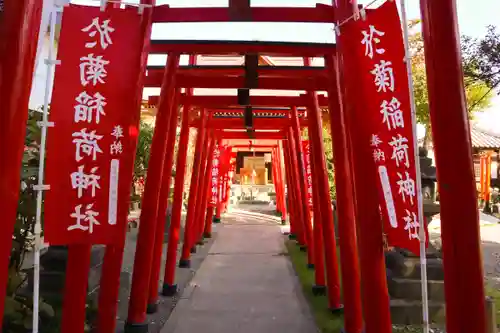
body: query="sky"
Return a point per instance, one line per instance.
(473, 17)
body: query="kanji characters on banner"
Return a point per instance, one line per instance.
(307, 165)
(215, 173)
(388, 113)
(90, 149)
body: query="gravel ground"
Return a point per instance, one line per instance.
(490, 238)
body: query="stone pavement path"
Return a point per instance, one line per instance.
(245, 285)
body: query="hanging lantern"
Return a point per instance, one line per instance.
(267, 158)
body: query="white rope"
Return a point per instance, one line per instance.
(356, 13)
(422, 236)
(140, 6)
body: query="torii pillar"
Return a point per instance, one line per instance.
(282, 185)
(315, 131)
(147, 227)
(464, 288)
(190, 227)
(169, 286)
(19, 27)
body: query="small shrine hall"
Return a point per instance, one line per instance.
(252, 156)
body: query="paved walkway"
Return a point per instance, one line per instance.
(245, 284)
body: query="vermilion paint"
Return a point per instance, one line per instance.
(464, 288)
(161, 218)
(147, 224)
(349, 262)
(19, 27)
(190, 226)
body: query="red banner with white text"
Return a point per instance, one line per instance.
(388, 113)
(216, 164)
(306, 149)
(90, 149)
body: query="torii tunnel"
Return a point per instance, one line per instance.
(357, 249)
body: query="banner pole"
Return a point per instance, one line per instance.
(422, 235)
(40, 187)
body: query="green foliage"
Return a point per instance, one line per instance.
(18, 312)
(482, 58)
(478, 93)
(143, 150)
(325, 320)
(23, 239)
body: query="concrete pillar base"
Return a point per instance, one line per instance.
(318, 290)
(169, 290)
(338, 310)
(184, 263)
(152, 308)
(136, 328)
(342, 330)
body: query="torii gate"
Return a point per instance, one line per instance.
(357, 232)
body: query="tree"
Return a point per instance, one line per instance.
(477, 88)
(482, 58)
(143, 150)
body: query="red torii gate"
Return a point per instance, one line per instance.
(465, 312)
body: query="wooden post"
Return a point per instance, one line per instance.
(147, 226)
(464, 289)
(190, 227)
(349, 261)
(169, 286)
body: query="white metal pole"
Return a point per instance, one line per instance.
(50, 62)
(422, 236)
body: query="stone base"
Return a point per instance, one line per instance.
(338, 310)
(169, 290)
(184, 263)
(216, 219)
(207, 235)
(318, 290)
(342, 330)
(310, 266)
(136, 328)
(152, 308)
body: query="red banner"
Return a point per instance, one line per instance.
(307, 166)
(388, 112)
(215, 176)
(227, 169)
(90, 150)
